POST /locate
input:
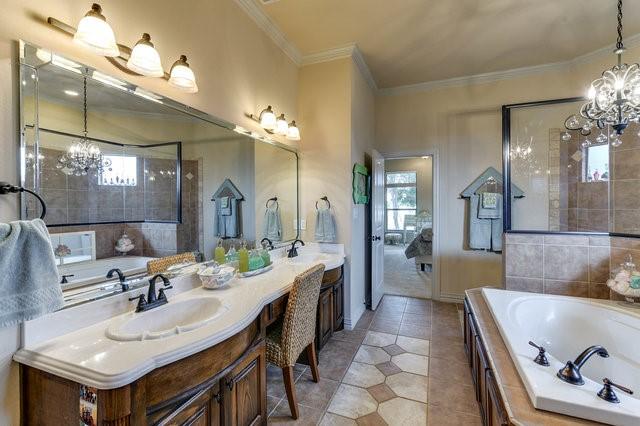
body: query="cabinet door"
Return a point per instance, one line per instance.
(338, 306)
(245, 390)
(481, 382)
(495, 414)
(203, 409)
(325, 317)
(467, 330)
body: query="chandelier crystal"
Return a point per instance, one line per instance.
(614, 98)
(83, 156)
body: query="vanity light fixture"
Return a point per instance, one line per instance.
(181, 76)
(281, 125)
(293, 133)
(145, 59)
(268, 119)
(96, 34)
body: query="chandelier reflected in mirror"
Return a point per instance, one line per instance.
(83, 156)
(523, 160)
(613, 99)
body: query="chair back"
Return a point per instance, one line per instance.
(299, 325)
(157, 266)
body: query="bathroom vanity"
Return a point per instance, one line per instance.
(214, 373)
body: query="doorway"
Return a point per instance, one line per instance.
(408, 226)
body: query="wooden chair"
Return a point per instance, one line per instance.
(157, 266)
(288, 338)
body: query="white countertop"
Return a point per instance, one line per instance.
(85, 355)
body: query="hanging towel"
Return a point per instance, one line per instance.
(228, 225)
(489, 200)
(479, 229)
(490, 206)
(272, 226)
(225, 206)
(325, 226)
(29, 285)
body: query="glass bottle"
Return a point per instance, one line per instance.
(232, 255)
(243, 258)
(266, 257)
(255, 260)
(219, 254)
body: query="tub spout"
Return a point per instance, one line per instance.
(570, 373)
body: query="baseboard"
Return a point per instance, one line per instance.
(451, 298)
(349, 322)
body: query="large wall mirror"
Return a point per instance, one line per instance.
(572, 182)
(171, 178)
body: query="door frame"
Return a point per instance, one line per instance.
(437, 205)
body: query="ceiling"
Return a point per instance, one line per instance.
(413, 41)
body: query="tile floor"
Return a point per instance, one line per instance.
(403, 364)
(402, 276)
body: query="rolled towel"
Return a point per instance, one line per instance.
(29, 284)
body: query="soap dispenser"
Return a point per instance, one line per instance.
(264, 253)
(232, 255)
(219, 254)
(243, 258)
(255, 260)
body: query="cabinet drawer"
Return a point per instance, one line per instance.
(276, 309)
(332, 276)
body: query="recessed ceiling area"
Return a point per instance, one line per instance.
(414, 41)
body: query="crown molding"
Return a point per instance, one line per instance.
(358, 58)
(268, 26)
(490, 77)
(347, 51)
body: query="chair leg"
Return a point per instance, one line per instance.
(287, 374)
(313, 361)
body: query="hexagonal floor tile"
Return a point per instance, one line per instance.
(363, 375)
(410, 386)
(413, 345)
(376, 338)
(412, 363)
(371, 355)
(400, 411)
(352, 402)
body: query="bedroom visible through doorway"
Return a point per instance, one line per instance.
(408, 238)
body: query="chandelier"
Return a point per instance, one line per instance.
(83, 155)
(613, 99)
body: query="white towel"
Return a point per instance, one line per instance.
(272, 226)
(29, 281)
(325, 226)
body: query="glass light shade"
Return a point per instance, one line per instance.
(145, 59)
(281, 125)
(96, 34)
(268, 119)
(182, 77)
(293, 133)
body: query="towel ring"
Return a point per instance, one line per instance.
(275, 200)
(7, 188)
(325, 199)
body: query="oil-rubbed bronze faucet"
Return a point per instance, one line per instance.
(121, 278)
(570, 373)
(293, 251)
(152, 300)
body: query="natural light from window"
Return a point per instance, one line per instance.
(597, 163)
(400, 200)
(124, 171)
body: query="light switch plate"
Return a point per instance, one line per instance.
(303, 224)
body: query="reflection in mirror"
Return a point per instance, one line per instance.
(573, 182)
(160, 166)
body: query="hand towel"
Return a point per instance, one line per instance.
(494, 200)
(325, 226)
(225, 206)
(29, 281)
(272, 226)
(489, 200)
(479, 229)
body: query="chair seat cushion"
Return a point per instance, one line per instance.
(274, 346)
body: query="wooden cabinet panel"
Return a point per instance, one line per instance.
(495, 412)
(325, 317)
(202, 409)
(467, 330)
(245, 390)
(338, 306)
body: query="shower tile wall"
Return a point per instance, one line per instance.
(573, 265)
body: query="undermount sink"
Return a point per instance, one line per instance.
(165, 321)
(309, 258)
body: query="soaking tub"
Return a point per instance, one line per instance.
(566, 326)
(95, 271)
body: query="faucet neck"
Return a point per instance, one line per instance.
(588, 353)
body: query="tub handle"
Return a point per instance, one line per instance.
(608, 394)
(541, 359)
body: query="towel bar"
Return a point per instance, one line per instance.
(325, 199)
(7, 188)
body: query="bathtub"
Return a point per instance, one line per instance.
(566, 326)
(95, 271)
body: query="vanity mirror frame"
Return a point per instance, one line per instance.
(506, 167)
(130, 88)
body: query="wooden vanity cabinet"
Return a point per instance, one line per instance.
(492, 409)
(244, 390)
(324, 327)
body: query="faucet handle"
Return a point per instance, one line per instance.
(142, 301)
(161, 294)
(608, 394)
(541, 359)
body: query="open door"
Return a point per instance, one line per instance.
(377, 228)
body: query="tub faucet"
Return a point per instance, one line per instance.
(570, 373)
(121, 278)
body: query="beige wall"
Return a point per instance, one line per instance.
(464, 125)
(239, 69)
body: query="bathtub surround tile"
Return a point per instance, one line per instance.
(523, 260)
(599, 264)
(598, 291)
(566, 240)
(533, 285)
(511, 238)
(567, 288)
(569, 263)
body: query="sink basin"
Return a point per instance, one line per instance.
(165, 321)
(309, 258)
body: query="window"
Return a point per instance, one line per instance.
(123, 171)
(596, 164)
(400, 199)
